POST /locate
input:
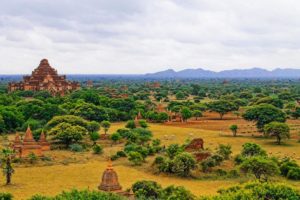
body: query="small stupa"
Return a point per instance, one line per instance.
(45, 145)
(17, 144)
(110, 182)
(29, 145)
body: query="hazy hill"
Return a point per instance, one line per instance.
(235, 73)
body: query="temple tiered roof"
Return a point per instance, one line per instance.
(44, 77)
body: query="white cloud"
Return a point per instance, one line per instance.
(138, 36)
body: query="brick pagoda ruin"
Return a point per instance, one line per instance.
(45, 78)
(29, 145)
(110, 182)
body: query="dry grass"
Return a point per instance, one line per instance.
(86, 170)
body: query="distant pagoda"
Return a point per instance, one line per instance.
(46, 78)
(110, 182)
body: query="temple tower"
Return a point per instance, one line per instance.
(110, 182)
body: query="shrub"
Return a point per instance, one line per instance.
(6, 196)
(94, 136)
(121, 154)
(32, 158)
(257, 191)
(115, 137)
(130, 124)
(233, 173)
(207, 164)
(183, 164)
(114, 157)
(159, 160)
(146, 190)
(252, 149)
(97, 149)
(83, 194)
(221, 172)
(76, 148)
(294, 173)
(173, 150)
(173, 192)
(224, 150)
(286, 166)
(260, 167)
(135, 157)
(143, 123)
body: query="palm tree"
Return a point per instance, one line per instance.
(8, 170)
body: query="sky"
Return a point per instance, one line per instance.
(142, 36)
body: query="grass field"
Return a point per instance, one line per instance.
(83, 170)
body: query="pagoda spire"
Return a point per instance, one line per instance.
(28, 135)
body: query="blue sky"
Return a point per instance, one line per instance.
(140, 36)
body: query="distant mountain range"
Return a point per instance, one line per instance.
(185, 74)
(235, 73)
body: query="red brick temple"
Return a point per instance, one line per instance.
(110, 182)
(29, 145)
(46, 78)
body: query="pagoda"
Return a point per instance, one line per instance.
(45, 145)
(29, 145)
(110, 182)
(45, 78)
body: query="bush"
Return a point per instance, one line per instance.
(183, 164)
(97, 149)
(121, 154)
(146, 190)
(233, 173)
(294, 173)
(159, 160)
(221, 172)
(224, 150)
(260, 167)
(207, 164)
(252, 149)
(286, 166)
(143, 123)
(6, 196)
(76, 148)
(83, 194)
(135, 157)
(114, 157)
(32, 158)
(257, 191)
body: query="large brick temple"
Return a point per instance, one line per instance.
(44, 77)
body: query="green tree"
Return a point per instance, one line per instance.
(81, 195)
(186, 113)
(278, 130)
(183, 164)
(264, 114)
(135, 157)
(67, 133)
(94, 136)
(261, 167)
(233, 129)
(222, 107)
(6, 164)
(115, 137)
(130, 124)
(146, 190)
(253, 149)
(173, 150)
(2, 125)
(105, 125)
(224, 150)
(174, 193)
(197, 114)
(259, 191)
